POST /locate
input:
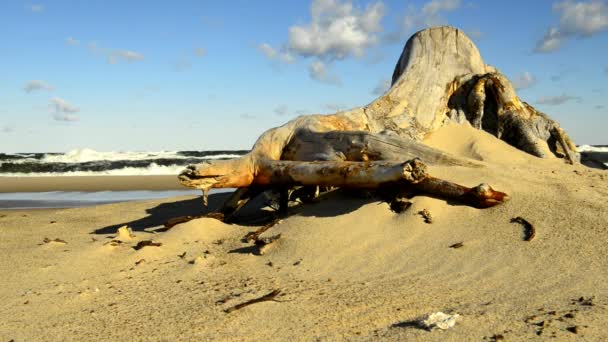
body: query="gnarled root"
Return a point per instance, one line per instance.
(492, 105)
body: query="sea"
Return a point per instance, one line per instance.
(89, 162)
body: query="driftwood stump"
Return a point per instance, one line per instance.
(439, 78)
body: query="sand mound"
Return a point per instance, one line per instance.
(466, 141)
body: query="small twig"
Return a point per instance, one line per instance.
(255, 236)
(267, 297)
(144, 243)
(457, 245)
(529, 231)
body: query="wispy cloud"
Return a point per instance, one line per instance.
(35, 85)
(62, 110)
(124, 55)
(318, 72)
(557, 100)
(37, 8)
(281, 110)
(7, 129)
(200, 52)
(337, 30)
(72, 41)
(431, 14)
(524, 80)
(334, 107)
(247, 116)
(113, 56)
(382, 87)
(474, 34)
(274, 55)
(577, 20)
(182, 64)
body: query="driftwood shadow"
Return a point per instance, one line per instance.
(334, 203)
(158, 215)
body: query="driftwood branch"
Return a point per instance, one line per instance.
(363, 175)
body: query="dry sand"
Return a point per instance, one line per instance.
(348, 268)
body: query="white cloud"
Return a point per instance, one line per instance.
(63, 111)
(274, 55)
(128, 56)
(72, 41)
(200, 52)
(337, 30)
(431, 14)
(552, 41)
(34, 85)
(114, 56)
(247, 116)
(474, 34)
(577, 19)
(556, 100)
(334, 107)
(319, 72)
(281, 110)
(382, 87)
(35, 8)
(7, 129)
(524, 80)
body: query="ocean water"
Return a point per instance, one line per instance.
(88, 162)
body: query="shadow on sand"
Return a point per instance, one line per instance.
(255, 213)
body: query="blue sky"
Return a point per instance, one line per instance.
(196, 75)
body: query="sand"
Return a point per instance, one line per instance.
(347, 267)
(88, 183)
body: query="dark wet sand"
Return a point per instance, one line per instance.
(89, 183)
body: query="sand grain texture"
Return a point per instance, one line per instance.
(348, 268)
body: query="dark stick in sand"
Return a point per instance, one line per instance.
(264, 298)
(529, 231)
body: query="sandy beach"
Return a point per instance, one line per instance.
(346, 268)
(88, 183)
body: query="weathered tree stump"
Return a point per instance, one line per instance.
(439, 78)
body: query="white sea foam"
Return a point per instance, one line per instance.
(589, 148)
(151, 170)
(87, 155)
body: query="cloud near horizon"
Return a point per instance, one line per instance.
(577, 20)
(524, 80)
(63, 111)
(557, 100)
(383, 85)
(281, 110)
(35, 85)
(7, 129)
